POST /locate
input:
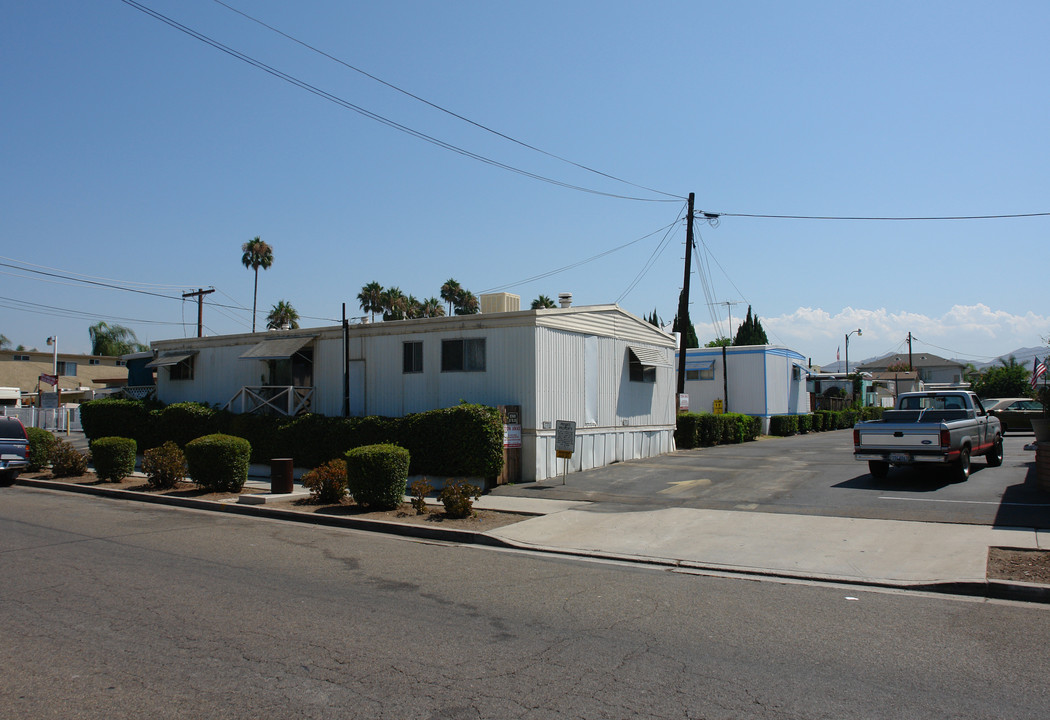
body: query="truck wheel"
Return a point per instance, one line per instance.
(1002, 426)
(878, 468)
(994, 458)
(961, 470)
(7, 478)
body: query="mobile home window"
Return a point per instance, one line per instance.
(413, 357)
(463, 355)
(182, 370)
(67, 368)
(640, 372)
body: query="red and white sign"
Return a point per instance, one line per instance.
(51, 380)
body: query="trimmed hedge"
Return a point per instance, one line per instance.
(706, 429)
(376, 475)
(41, 443)
(783, 425)
(219, 463)
(465, 440)
(113, 457)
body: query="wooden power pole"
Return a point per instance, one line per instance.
(683, 300)
(200, 308)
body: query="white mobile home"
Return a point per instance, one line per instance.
(607, 370)
(760, 380)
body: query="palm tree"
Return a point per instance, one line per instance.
(283, 317)
(542, 302)
(432, 307)
(371, 298)
(4, 342)
(113, 340)
(394, 304)
(450, 293)
(467, 303)
(257, 254)
(413, 308)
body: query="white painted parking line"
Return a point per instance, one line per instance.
(963, 502)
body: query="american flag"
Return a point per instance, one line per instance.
(1038, 370)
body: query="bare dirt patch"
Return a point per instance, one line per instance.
(1019, 565)
(482, 521)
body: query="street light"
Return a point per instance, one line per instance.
(859, 333)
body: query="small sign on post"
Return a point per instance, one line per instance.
(564, 443)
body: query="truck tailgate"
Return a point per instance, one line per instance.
(890, 438)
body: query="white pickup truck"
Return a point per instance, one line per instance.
(945, 427)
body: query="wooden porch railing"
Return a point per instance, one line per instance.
(287, 400)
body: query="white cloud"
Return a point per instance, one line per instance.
(969, 332)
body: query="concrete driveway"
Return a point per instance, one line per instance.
(813, 474)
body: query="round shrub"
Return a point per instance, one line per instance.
(41, 443)
(376, 475)
(458, 498)
(327, 483)
(219, 463)
(165, 466)
(67, 461)
(113, 457)
(183, 422)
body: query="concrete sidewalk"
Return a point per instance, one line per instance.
(874, 552)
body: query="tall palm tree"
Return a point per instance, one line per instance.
(395, 304)
(432, 307)
(113, 340)
(257, 254)
(450, 293)
(413, 307)
(542, 302)
(4, 342)
(371, 298)
(282, 316)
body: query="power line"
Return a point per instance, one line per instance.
(439, 107)
(368, 113)
(898, 219)
(54, 311)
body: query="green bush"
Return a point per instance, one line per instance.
(183, 422)
(706, 429)
(458, 498)
(41, 443)
(165, 466)
(219, 463)
(805, 423)
(420, 489)
(376, 475)
(783, 425)
(816, 421)
(113, 457)
(115, 417)
(327, 483)
(67, 461)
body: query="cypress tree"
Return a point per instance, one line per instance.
(750, 331)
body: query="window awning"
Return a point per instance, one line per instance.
(171, 358)
(699, 364)
(649, 357)
(277, 348)
(804, 369)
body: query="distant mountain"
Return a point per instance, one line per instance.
(1023, 356)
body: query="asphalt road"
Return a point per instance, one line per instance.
(812, 474)
(112, 609)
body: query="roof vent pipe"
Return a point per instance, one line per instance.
(565, 299)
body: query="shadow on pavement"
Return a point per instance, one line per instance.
(1025, 504)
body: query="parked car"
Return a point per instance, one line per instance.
(1014, 413)
(937, 427)
(14, 449)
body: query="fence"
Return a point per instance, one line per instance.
(56, 420)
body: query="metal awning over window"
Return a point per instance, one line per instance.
(277, 348)
(649, 357)
(699, 364)
(171, 358)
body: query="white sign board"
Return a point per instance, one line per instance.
(49, 400)
(565, 438)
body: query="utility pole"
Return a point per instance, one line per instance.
(683, 300)
(200, 308)
(910, 368)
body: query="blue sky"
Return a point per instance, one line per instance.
(138, 156)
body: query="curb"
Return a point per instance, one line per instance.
(990, 589)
